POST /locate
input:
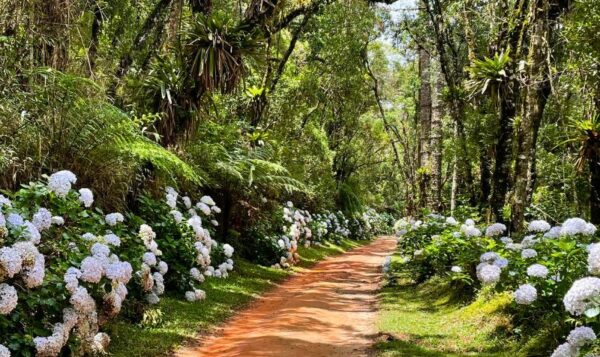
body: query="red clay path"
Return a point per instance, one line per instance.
(329, 310)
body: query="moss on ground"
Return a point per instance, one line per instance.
(430, 320)
(182, 320)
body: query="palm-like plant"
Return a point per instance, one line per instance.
(487, 74)
(216, 49)
(164, 89)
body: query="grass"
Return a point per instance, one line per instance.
(428, 320)
(182, 320)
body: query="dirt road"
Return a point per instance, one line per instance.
(329, 310)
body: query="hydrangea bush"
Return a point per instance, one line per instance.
(550, 271)
(66, 268)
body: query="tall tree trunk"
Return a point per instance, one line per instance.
(454, 188)
(95, 34)
(594, 166)
(542, 13)
(436, 144)
(424, 125)
(485, 170)
(537, 89)
(509, 38)
(503, 156)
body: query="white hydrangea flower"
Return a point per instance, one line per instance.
(566, 350)
(488, 274)
(8, 299)
(4, 201)
(60, 182)
(112, 239)
(49, 346)
(100, 250)
(10, 261)
(594, 259)
(529, 241)
(86, 197)
(71, 279)
(228, 250)
(28, 252)
(82, 301)
(190, 296)
(581, 336)
(506, 240)
(119, 271)
(31, 233)
(171, 200)
(207, 200)
(152, 298)
(488, 257)
(574, 226)
(177, 216)
(216, 209)
(200, 294)
(92, 269)
(88, 237)
(539, 226)
(451, 221)
(537, 271)
(15, 220)
(113, 218)
(495, 229)
(33, 276)
(456, 269)
(554, 232)
(70, 317)
(528, 253)
(578, 298)
(58, 220)
(501, 262)
(204, 208)
(149, 259)
(526, 294)
(187, 202)
(159, 283)
(100, 343)
(471, 231)
(4, 351)
(214, 222)
(163, 267)
(470, 222)
(42, 219)
(590, 229)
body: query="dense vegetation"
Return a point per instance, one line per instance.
(356, 111)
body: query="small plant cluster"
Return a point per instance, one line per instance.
(551, 272)
(66, 269)
(302, 227)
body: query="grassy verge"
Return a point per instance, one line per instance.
(183, 320)
(427, 320)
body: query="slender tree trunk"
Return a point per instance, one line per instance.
(485, 169)
(594, 166)
(454, 189)
(537, 91)
(436, 145)
(95, 34)
(503, 156)
(424, 125)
